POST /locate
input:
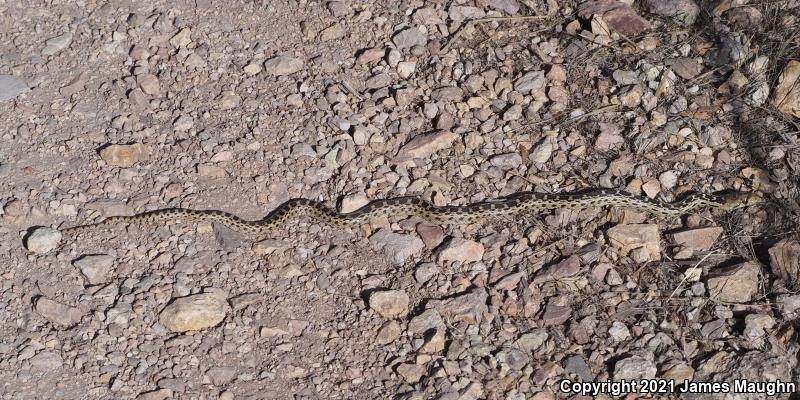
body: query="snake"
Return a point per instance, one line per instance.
(515, 204)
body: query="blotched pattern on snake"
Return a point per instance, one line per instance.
(519, 203)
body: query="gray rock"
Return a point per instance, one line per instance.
(389, 303)
(634, 367)
(512, 359)
(42, 240)
(397, 246)
(11, 87)
(57, 313)
(56, 44)
(195, 312)
(95, 267)
(46, 361)
(283, 65)
(683, 11)
(408, 38)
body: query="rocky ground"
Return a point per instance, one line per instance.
(118, 107)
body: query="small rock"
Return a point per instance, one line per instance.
(42, 240)
(406, 68)
(555, 313)
(628, 238)
(577, 365)
(57, 313)
(428, 320)
(509, 6)
(389, 332)
(735, 284)
(468, 307)
(389, 303)
(512, 359)
(426, 144)
(432, 235)
(567, 267)
(149, 84)
(182, 38)
(378, 81)
(353, 202)
(425, 272)
(756, 325)
(395, 245)
(619, 331)
(11, 87)
(211, 171)
(461, 250)
(634, 368)
(412, 373)
(787, 91)
(46, 361)
(183, 123)
(784, 260)
(56, 44)
(124, 155)
(332, 32)
(532, 340)
(283, 65)
(619, 15)
(195, 312)
(683, 11)
(253, 68)
(95, 267)
(692, 240)
(668, 179)
(513, 113)
(678, 373)
(531, 82)
(542, 152)
(221, 376)
(160, 394)
(686, 68)
(447, 94)
(434, 342)
(409, 38)
(229, 100)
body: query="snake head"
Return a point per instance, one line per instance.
(733, 201)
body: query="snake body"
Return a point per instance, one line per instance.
(519, 203)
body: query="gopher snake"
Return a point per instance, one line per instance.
(520, 203)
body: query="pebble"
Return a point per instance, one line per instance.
(389, 303)
(183, 123)
(468, 307)
(398, 247)
(46, 361)
(124, 155)
(735, 284)
(542, 152)
(195, 312)
(57, 44)
(683, 11)
(389, 332)
(693, 240)
(11, 87)
(631, 237)
(42, 240)
(149, 84)
(57, 313)
(425, 272)
(406, 68)
(668, 179)
(159, 394)
(411, 373)
(787, 91)
(283, 65)
(633, 368)
(532, 340)
(784, 260)
(95, 267)
(424, 145)
(619, 331)
(408, 38)
(461, 250)
(253, 68)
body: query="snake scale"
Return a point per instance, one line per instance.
(519, 203)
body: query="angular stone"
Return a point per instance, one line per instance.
(784, 260)
(395, 245)
(283, 65)
(195, 312)
(426, 144)
(631, 237)
(787, 92)
(42, 240)
(735, 284)
(124, 155)
(57, 313)
(683, 11)
(95, 267)
(389, 303)
(11, 87)
(461, 250)
(408, 38)
(468, 307)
